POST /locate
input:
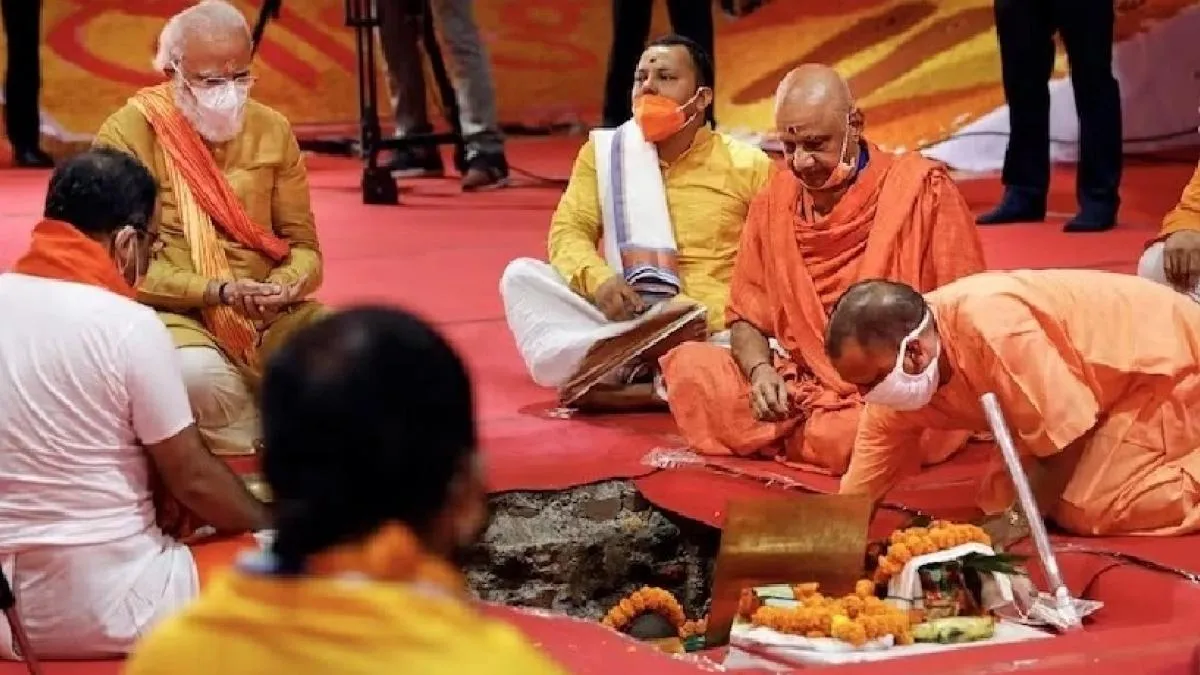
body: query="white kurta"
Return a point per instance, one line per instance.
(86, 378)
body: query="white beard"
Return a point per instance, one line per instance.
(212, 130)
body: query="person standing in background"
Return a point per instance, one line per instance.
(1025, 29)
(22, 82)
(692, 19)
(400, 32)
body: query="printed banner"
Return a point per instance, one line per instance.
(921, 68)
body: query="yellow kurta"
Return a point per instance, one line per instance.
(248, 624)
(709, 189)
(1186, 214)
(266, 170)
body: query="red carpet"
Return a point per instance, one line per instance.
(441, 254)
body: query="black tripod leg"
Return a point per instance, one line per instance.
(378, 186)
(441, 76)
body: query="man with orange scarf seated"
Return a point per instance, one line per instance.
(95, 427)
(238, 250)
(380, 488)
(1173, 256)
(667, 196)
(846, 211)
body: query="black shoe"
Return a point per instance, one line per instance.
(485, 170)
(1093, 217)
(32, 158)
(419, 161)
(1017, 206)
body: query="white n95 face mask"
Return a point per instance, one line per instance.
(901, 390)
(219, 110)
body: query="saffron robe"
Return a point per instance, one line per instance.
(1108, 361)
(902, 219)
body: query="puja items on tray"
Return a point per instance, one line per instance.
(932, 583)
(944, 569)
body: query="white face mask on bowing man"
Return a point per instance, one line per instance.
(902, 390)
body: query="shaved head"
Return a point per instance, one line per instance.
(875, 313)
(818, 123)
(813, 85)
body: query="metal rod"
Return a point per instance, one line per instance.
(1029, 505)
(8, 604)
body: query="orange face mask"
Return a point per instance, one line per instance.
(841, 172)
(660, 117)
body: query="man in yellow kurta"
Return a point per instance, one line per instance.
(1173, 256)
(237, 254)
(667, 196)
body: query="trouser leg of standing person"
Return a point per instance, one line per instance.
(474, 86)
(399, 37)
(694, 19)
(475, 92)
(630, 28)
(1086, 28)
(1025, 30)
(23, 80)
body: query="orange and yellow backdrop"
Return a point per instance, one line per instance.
(922, 68)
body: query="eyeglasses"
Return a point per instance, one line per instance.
(242, 79)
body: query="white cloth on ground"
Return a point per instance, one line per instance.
(1150, 266)
(226, 413)
(87, 379)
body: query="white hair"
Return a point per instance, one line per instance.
(208, 17)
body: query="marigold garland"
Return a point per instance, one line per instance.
(656, 600)
(916, 541)
(856, 618)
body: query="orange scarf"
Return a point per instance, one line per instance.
(393, 553)
(206, 180)
(206, 202)
(59, 251)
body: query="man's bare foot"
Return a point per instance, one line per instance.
(624, 398)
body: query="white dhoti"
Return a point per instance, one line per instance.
(226, 413)
(97, 600)
(556, 330)
(553, 326)
(1150, 266)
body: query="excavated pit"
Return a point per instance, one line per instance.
(582, 550)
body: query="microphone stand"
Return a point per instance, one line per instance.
(378, 186)
(8, 605)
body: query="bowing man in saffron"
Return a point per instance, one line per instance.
(846, 211)
(1095, 373)
(237, 253)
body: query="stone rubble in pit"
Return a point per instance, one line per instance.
(580, 551)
